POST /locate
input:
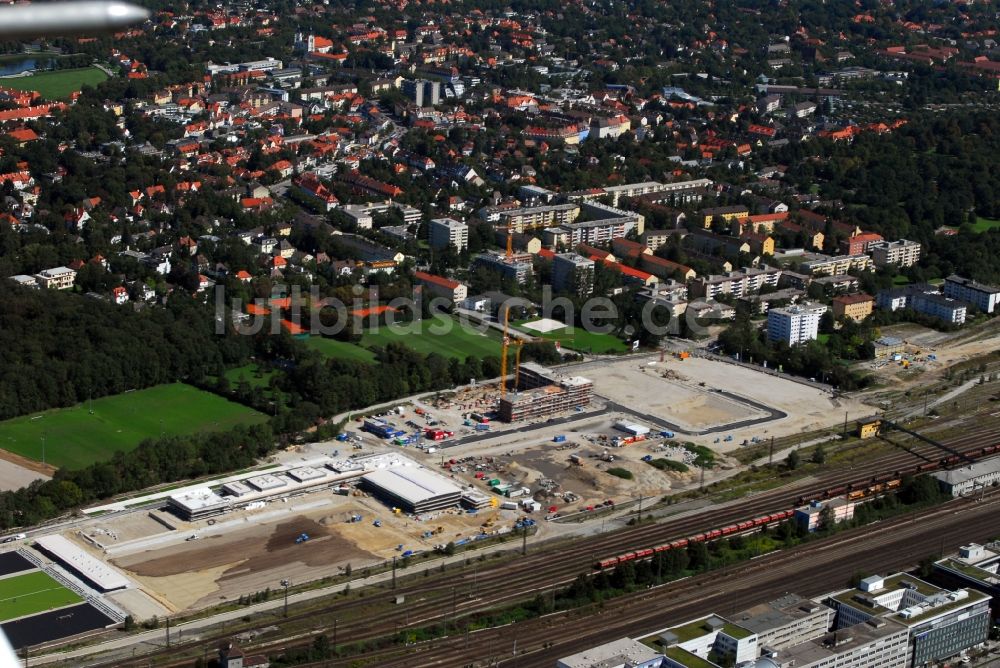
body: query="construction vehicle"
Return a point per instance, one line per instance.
(354, 518)
(303, 537)
(377, 523)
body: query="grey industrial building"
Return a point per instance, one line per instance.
(412, 488)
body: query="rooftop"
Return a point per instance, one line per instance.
(686, 658)
(104, 576)
(611, 655)
(970, 472)
(779, 612)
(411, 484)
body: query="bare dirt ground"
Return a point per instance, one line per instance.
(15, 476)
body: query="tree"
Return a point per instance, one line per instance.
(793, 460)
(827, 519)
(818, 455)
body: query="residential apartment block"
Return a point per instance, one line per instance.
(444, 232)
(794, 324)
(834, 265)
(747, 281)
(901, 253)
(983, 297)
(439, 286)
(572, 273)
(538, 217)
(924, 299)
(856, 307)
(57, 278)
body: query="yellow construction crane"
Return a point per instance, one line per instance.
(503, 353)
(510, 242)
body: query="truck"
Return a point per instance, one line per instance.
(508, 505)
(561, 438)
(15, 537)
(479, 417)
(483, 426)
(667, 434)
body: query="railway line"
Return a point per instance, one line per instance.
(435, 598)
(809, 570)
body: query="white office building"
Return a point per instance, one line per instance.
(902, 253)
(794, 324)
(448, 232)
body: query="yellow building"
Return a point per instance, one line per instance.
(856, 307)
(868, 428)
(726, 213)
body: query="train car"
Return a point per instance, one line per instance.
(731, 529)
(678, 544)
(761, 521)
(929, 466)
(606, 563)
(835, 491)
(713, 534)
(893, 484)
(642, 554)
(661, 548)
(854, 496)
(743, 526)
(697, 538)
(951, 461)
(989, 449)
(628, 556)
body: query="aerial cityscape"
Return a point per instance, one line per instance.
(468, 334)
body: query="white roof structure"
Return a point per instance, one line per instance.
(97, 572)
(266, 481)
(416, 487)
(307, 473)
(198, 499)
(623, 652)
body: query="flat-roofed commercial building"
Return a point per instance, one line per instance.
(623, 652)
(786, 621)
(940, 623)
(198, 504)
(413, 488)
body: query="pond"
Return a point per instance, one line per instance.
(25, 64)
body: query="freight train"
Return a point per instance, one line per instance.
(715, 534)
(890, 481)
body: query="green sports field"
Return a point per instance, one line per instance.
(581, 340)
(422, 337)
(340, 349)
(57, 84)
(31, 593)
(84, 434)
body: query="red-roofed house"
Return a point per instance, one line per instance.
(859, 243)
(438, 286)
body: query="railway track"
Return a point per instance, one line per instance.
(809, 570)
(548, 565)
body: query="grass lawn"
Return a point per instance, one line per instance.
(75, 437)
(985, 224)
(57, 84)
(899, 279)
(581, 340)
(32, 593)
(423, 338)
(251, 374)
(340, 349)
(823, 338)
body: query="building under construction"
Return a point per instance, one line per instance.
(541, 392)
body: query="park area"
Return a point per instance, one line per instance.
(29, 594)
(56, 84)
(81, 435)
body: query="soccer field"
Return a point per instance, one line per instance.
(32, 593)
(340, 349)
(57, 84)
(458, 342)
(87, 433)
